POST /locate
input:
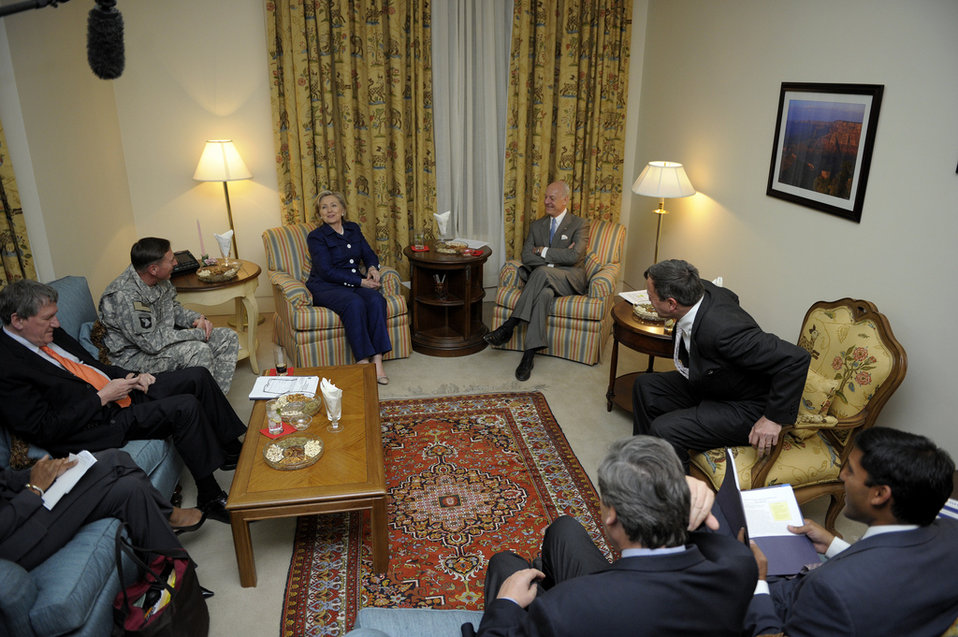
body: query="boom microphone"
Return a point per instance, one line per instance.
(104, 40)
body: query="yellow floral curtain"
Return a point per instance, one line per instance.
(16, 259)
(351, 99)
(568, 87)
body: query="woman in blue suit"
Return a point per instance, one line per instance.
(337, 248)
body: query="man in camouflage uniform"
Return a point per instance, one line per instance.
(148, 330)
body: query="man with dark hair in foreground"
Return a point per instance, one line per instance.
(899, 578)
(667, 582)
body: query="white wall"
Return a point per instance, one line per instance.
(114, 160)
(709, 97)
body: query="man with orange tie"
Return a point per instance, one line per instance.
(56, 396)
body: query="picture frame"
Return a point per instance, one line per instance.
(822, 149)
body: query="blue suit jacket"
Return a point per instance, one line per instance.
(901, 583)
(703, 590)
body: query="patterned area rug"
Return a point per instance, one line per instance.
(468, 476)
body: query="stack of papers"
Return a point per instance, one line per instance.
(635, 296)
(267, 387)
(65, 481)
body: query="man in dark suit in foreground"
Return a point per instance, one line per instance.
(734, 384)
(667, 582)
(899, 578)
(552, 265)
(47, 404)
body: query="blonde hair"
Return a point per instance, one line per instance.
(327, 193)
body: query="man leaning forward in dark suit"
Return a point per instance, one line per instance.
(895, 579)
(552, 265)
(48, 405)
(734, 384)
(667, 582)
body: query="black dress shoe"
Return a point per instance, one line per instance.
(498, 336)
(215, 508)
(180, 530)
(206, 593)
(524, 370)
(229, 461)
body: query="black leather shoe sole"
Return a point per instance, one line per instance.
(497, 336)
(524, 370)
(229, 462)
(215, 509)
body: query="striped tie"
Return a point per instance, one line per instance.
(84, 372)
(552, 229)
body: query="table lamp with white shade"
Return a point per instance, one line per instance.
(662, 179)
(221, 162)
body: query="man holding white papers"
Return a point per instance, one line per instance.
(898, 579)
(734, 384)
(113, 487)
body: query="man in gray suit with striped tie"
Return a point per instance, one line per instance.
(552, 265)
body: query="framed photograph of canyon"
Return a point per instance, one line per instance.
(823, 144)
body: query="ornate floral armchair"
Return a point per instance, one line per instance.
(855, 367)
(579, 324)
(311, 335)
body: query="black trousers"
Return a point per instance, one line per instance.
(188, 405)
(664, 404)
(567, 552)
(114, 487)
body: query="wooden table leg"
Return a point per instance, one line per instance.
(380, 536)
(252, 320)
(243, 544)
(613, 366)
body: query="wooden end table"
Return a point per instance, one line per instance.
(448, 321)
(349, 476)
(190, 290)
(652, 339)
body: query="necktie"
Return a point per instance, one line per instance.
(552, 229)
(681, 354)
(84, 372)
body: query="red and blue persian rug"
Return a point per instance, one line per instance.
(468, 476)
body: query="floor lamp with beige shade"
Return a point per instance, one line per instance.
(662, 179)
(220, 161)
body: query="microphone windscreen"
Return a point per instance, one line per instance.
(104, 42)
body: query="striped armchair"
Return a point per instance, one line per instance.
(311, 335)
(579, 324)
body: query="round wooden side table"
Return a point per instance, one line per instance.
(190, 290)
(446, 302)
(647, 337)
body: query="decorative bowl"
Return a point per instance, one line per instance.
(646, 312)
(298, 408)
(223, 270)
(294, 451)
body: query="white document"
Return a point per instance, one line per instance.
(62, 485)
(472, 244)
(267, 387)
(635, 296)
(770, 510)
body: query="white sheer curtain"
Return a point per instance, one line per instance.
(470, 65)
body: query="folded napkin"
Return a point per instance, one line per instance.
(442, 220)
(224, 240)
(334, 399)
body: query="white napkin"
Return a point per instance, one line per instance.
(442, 220)
(334, 399)
(224, 240)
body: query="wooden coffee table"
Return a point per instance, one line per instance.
(348, 476)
